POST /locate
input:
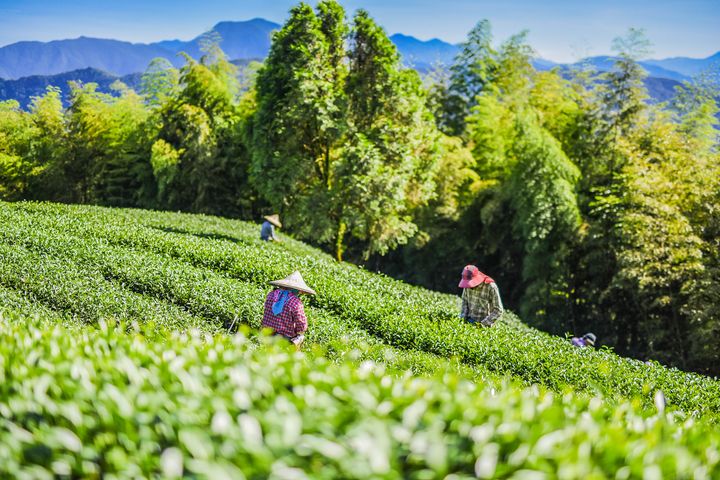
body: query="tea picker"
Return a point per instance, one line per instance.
(267, 230)
(284, 312)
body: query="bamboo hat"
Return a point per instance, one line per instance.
(590, 339)
(274, 219)
(294, 281)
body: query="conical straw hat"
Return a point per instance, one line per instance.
(294, 281)
(274, 219)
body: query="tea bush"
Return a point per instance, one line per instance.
(100, 402)
(182, 271)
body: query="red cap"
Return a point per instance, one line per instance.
(472, 277)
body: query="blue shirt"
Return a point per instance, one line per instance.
(267, 232)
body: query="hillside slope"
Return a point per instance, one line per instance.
(117, 358)
(180, 270)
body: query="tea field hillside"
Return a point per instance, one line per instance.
(129, 348)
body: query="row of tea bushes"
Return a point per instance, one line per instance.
(198, 264)
(100, 402)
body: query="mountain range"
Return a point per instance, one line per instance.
(26, 66)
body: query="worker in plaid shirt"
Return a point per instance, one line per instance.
(284, 312)
(480, 298)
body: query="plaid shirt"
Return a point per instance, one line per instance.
(291, 321)
(481, 304)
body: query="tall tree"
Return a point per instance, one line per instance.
(696, 108)
(48, 117)
(604, 148)
(473, 68)
(16, 167)
(387, 168)
(159, 82)
(622, 96)
(199, 158)
(546, 221)
(296, 127)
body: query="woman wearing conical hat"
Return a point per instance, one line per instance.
(284, 311)
(267, 231)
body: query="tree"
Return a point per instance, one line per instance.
(603, 147)
(541, 191)
(387, 169)
(349, 143)
(296, 127)
(159, 82)
(16, 169)
(48, 148)
(697, 110)
(623, 94)
(101, 131)
(199, 158)
(473, 68)
(659, 255)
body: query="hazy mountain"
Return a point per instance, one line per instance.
(688, 66)
(23, 89)
(23, 59)
(605, 63)
(424, 55)
(541, 64)
(239, 40)
(103, 61)
(251, 39)
(660, 89)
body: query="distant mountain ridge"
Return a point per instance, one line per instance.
(23, 89)
(687, 66)
(423, 55)
(27, 68)
(251, 39)
(240, 40)
(25, 59)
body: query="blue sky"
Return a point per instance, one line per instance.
(560, 30)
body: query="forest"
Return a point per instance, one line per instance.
(593, 208)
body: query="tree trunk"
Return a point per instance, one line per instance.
(342, 227)
(327, 167)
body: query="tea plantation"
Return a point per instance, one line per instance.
(117, 360)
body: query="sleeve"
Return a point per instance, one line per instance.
(495, 304)
(267, 308)
(464, 306)
(300, 319)
(272, 232)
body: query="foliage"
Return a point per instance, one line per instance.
(129, 400)
(473, 69)
(179, 271)
(346, 135)
(217, 406)
(593, 210)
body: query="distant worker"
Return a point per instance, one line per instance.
(587, 340)
(480, 298)
(267, 231)
(284, 311)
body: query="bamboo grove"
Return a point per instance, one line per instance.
(592, 207)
